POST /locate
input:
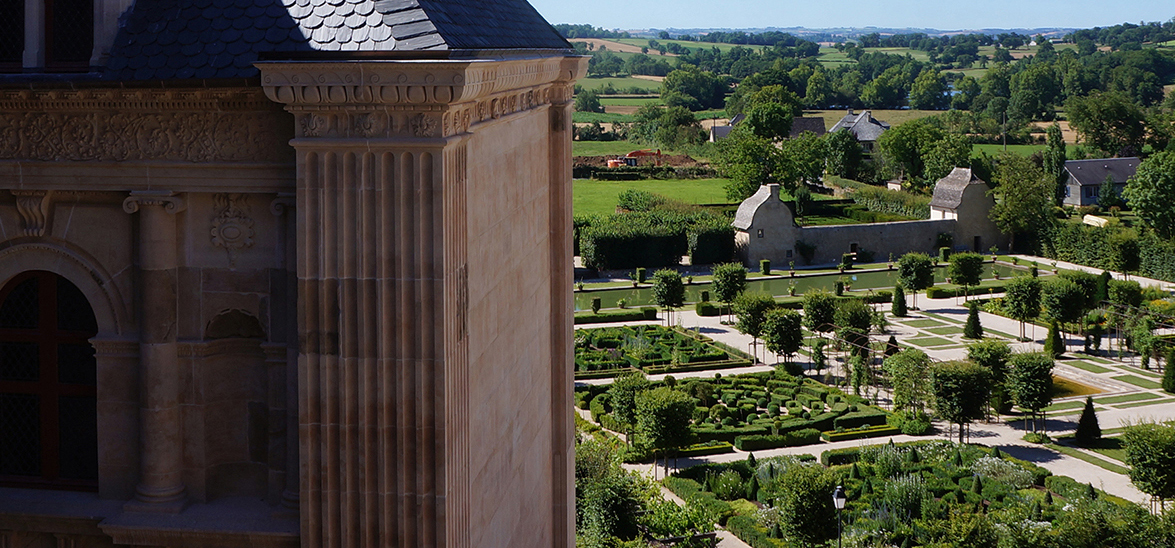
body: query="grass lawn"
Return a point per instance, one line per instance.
(944, 318)
(1110, 447)
(930, 341)
(628, 101)
(1126, 398)
(1081, 455)
(1065, 388)
(616, 148)
(601, 117)
(599, 197)
(621, 84)
(995, 150)
(945, 331)
(1138, 381)
(924, 323)
(1088, 367)
(1064, 406)
(1145, 403)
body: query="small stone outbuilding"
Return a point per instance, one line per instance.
(963, 196)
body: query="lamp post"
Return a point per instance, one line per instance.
(838, 500)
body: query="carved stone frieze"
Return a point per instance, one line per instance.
(232, 229)
(207, 136)
(416, 100)
(36, 209)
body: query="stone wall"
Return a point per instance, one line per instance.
(880, 239)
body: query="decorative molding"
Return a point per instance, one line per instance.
(284, 203)
(134, 100)
(385, 99)
(115, 348)
(36, 210)
(102, 135)
(232, 228)
(168, 200)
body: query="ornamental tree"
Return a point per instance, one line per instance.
(819, 311)
(1150, 452)
(730, 280)
(663, 419)
(916, 273)
(966, 269)
(1030, 382)
(782, 333)
(668, 290)
(909, 375)
(751, 309)
(1022, 299)
(961, 392)
(623, 394)
(1088, 429)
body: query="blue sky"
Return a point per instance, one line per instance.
(940, 14)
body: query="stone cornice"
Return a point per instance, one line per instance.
(133, 100)
(414, 99)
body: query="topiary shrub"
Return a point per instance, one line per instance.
(899, 302)
(1088, 430)
(595, 305)
(765, 267)
(1169, 372)
(1053, 344)
(973, 330)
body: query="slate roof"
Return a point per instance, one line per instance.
(1094, 172)
(746, 210)
(184, 39)
(864, 126)
(802, 124)
(948, 191)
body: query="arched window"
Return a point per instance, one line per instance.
(69, 34)
(12, 39)
(48, 384)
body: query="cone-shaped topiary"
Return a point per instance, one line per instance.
(973, 330)
(1048, 497)
(1169, 372)
(957, 459)
(1053, 345)
(751, 460)
(1036, 511)
(776, 532)
(854, 472)
(912, 457)
(996, 453)
(1090, 492)
(976, 484)
(753, 488)
(899, 301)
(1088, 430)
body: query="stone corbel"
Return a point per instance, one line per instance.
(36, 210)
(168, 200)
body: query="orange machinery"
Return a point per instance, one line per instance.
(631, 158)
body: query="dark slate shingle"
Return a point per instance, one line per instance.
(170, 39)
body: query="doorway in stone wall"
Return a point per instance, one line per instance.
(48, 384)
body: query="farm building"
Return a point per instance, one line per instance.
(799, 125)
(1084, 178)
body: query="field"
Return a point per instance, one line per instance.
(994, 150)
(621, 84)
(599, 197)
(831, 58)
(639, 42)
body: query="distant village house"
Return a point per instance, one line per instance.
(1086, 177)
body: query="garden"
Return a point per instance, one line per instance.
(607, 351)
(927, 493)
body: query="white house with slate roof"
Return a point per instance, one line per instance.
(864, 127)
(266, 274)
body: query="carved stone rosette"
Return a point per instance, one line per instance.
(232, 229)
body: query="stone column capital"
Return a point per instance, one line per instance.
(169, 201)
(284, 203)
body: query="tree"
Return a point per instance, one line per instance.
(668, 289)
(1024, 195)
(1151, 191)
(899, 301)
(1107, 195)
(782, 333)
(700, 89)
(943, 156)
(961, 391)
(802, 494)
(1054, 344)
(1054, 163)
(588, 101)
(1030, 382)
(730, 280)
(801, 160)
(663, 419)
(1150, 452)
(843, 154)
(909, 376)
(678, 127)
(929, 91)
(751, 309)
(916, 273)
(1109, 122)
(771, 121)
(994, 356)
(748, 161)
(1022, 299)
(607, 497)
(973, 330)
(622, 395)
(965, 269)
(1063, 300)
(1088, 430)
(819, 311)
(853, 313)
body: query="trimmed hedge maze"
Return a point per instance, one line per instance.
(608, 351)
